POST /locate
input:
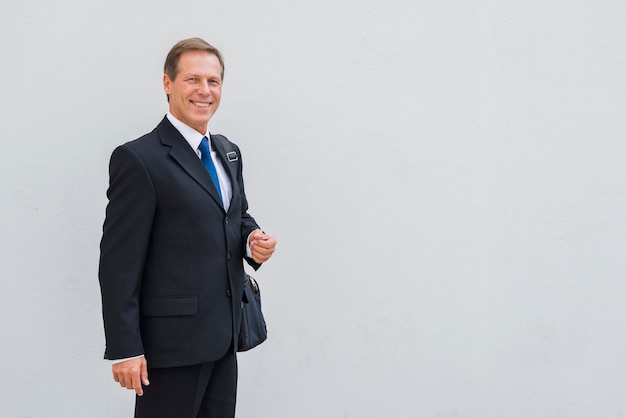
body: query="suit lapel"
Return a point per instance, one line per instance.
(229, 157)
(182, 153)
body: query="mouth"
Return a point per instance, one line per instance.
(201, 104)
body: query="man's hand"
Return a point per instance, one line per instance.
(131, 374)
(261, 245)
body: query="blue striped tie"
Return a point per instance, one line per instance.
(205, 156)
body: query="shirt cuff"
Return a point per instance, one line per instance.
(248, 249)
(119, 360)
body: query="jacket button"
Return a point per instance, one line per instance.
(229, 293)
(226, 220)
(228, 256)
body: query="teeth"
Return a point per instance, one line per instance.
(201, 104)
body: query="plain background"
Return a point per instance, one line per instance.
(446, 181)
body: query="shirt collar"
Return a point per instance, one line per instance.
(192, 136)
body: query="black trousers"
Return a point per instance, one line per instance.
(207, 390)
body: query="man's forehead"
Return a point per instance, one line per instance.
(196, 62)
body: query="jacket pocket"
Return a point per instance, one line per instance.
(174, 306)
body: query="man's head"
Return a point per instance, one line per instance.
(194, 71)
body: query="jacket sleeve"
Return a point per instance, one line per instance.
(248, 224)
(123, 248)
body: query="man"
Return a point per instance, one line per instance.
(174, 239)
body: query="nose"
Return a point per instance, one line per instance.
(204, 88)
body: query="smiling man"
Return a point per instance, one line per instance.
(176, 233)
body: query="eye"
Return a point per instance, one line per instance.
(192, 80)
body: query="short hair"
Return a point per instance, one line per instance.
(192, 44)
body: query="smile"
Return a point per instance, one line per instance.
(201, 104)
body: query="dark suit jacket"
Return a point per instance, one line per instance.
(171, 263)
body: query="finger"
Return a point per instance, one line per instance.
(258, 259)
(262, 243)
(256, 234)
(144, 374)
(268, 242)
(127, 382)
(263, 252)
(119, 377)
(258, 253)
(133, 379)
(137, 386)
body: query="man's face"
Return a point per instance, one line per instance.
(194, 95)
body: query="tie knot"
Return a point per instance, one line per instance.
(204, 146)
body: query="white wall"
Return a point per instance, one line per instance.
(446, 181)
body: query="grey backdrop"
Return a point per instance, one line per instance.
(446, 181)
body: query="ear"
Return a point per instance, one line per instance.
(167, 84)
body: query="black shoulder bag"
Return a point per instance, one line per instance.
(253, 329)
